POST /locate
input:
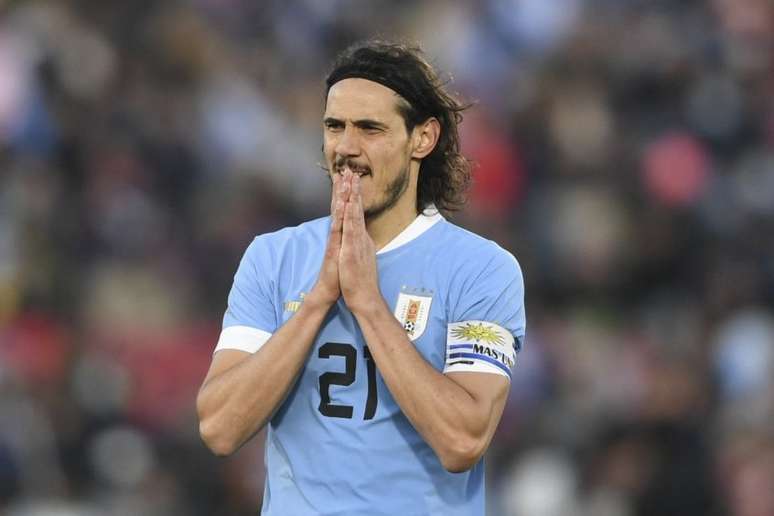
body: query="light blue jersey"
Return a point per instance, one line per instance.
(339, 444)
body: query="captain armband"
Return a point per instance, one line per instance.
(479, 346)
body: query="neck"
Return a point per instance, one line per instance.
(389, 224)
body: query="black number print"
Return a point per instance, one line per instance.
(348, 351)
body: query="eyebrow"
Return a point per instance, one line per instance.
(363, 122)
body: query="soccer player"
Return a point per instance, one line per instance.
(377, 343)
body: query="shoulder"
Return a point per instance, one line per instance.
(305, 236)
(485, 281)
(466, 250)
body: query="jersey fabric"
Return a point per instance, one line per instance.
(340, 444)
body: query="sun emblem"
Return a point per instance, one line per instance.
(477, 332)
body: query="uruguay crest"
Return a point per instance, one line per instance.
(413, 310)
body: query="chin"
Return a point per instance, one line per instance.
(369, 209)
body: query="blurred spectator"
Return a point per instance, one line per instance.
(625, 154)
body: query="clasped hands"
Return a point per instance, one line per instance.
(349, 264)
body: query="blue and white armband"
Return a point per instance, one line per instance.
(480, 347)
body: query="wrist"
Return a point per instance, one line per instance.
(370, 307)
(317, 300)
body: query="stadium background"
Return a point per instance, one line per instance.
(625, 155)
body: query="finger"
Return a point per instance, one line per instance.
(342, 191)
(338, 208)
(335, 180)
(349, 221)
(333, 249)
(337, 217)
(337, 213)
(353, 200)
(347, 180)
(357, 200)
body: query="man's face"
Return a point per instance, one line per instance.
(364, 131)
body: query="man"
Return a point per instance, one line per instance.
(377, 343)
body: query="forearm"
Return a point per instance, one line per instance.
(238, 402)
(447, 416)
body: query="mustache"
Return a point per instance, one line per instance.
(343, 162)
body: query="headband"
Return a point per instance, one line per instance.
(395, 82)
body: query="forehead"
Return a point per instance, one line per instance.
(357, 98)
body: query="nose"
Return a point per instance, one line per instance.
(348, 143)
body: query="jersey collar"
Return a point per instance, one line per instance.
(419, 225)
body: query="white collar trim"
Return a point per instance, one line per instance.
(419, 225)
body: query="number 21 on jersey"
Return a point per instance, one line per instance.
(346, 378)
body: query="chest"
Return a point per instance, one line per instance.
(411, 290)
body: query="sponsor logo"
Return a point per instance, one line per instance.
(294, 306)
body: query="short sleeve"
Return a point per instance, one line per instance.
(487, 323)
(250, 317)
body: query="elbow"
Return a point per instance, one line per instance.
(212, 430)
(216, 439)
(222, 430)
(461, 454)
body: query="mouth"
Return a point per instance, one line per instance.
(358, 170)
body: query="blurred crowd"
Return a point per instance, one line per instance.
(624, 153)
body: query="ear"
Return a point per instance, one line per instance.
(425, 137)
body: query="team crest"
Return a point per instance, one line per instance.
(479, 332)
(413, 310)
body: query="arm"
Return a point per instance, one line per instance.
(456, 413)
(241, 391)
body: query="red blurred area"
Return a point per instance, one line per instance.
(676, 169)
(35, 348)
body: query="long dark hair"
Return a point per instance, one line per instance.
(445, 174)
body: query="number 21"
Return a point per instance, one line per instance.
(348, 351)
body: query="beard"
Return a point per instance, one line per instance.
(392, 194)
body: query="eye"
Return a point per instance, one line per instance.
(371, 129)
(333, 125)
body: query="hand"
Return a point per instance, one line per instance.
(358, 275)
(327, 290)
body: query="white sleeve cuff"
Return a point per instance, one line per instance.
(243, 338)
